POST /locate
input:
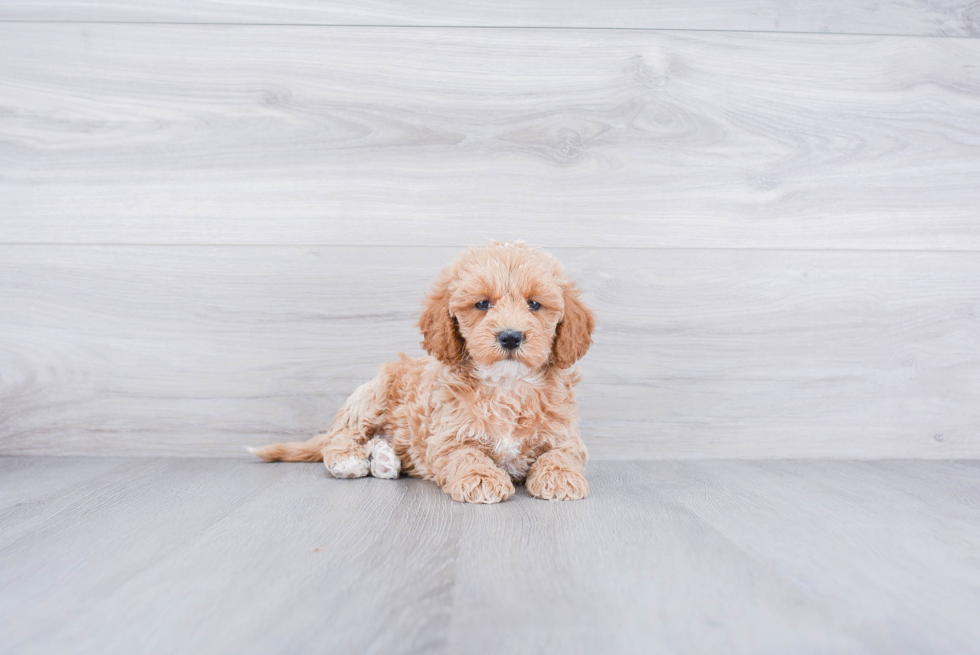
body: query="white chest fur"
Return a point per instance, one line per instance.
(507, 383)
(508, 455)
(508, 373)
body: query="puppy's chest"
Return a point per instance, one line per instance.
(508, 411)
(510, 428)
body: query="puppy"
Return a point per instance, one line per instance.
(491, 405)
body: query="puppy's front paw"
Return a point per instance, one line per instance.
(486, 484)
(552, 483)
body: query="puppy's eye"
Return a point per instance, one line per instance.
(534, 305)
(483, 305)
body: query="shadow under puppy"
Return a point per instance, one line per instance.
(493, 404)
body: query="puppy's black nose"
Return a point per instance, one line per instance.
(510, 339)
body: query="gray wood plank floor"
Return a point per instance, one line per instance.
(922, 17)
(101, 555)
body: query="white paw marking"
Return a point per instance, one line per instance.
(509, 452)
(384, 462)
(352, 467)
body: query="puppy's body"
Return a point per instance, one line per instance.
(480, 412)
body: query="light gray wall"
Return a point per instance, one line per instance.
(922, 17)
(212, 231)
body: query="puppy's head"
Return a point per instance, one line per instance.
(503, 302)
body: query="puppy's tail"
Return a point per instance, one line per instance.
(293, 451)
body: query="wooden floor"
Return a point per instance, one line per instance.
(171, 555)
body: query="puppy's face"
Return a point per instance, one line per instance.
(507, 308)
(506, 302)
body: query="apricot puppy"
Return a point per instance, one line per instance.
(493, 403)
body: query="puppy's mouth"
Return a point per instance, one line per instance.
(516, 355)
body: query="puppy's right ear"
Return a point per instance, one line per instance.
(440, 336)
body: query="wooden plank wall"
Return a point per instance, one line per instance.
(216, 219)
(918, 17)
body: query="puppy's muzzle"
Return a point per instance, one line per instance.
(510, 339)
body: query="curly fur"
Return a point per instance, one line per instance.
(471, 416)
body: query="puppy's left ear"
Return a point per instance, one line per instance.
(574, 334)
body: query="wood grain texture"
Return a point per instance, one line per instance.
(227, 556)
(715, 353)
(932, 17)
(386, 136)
